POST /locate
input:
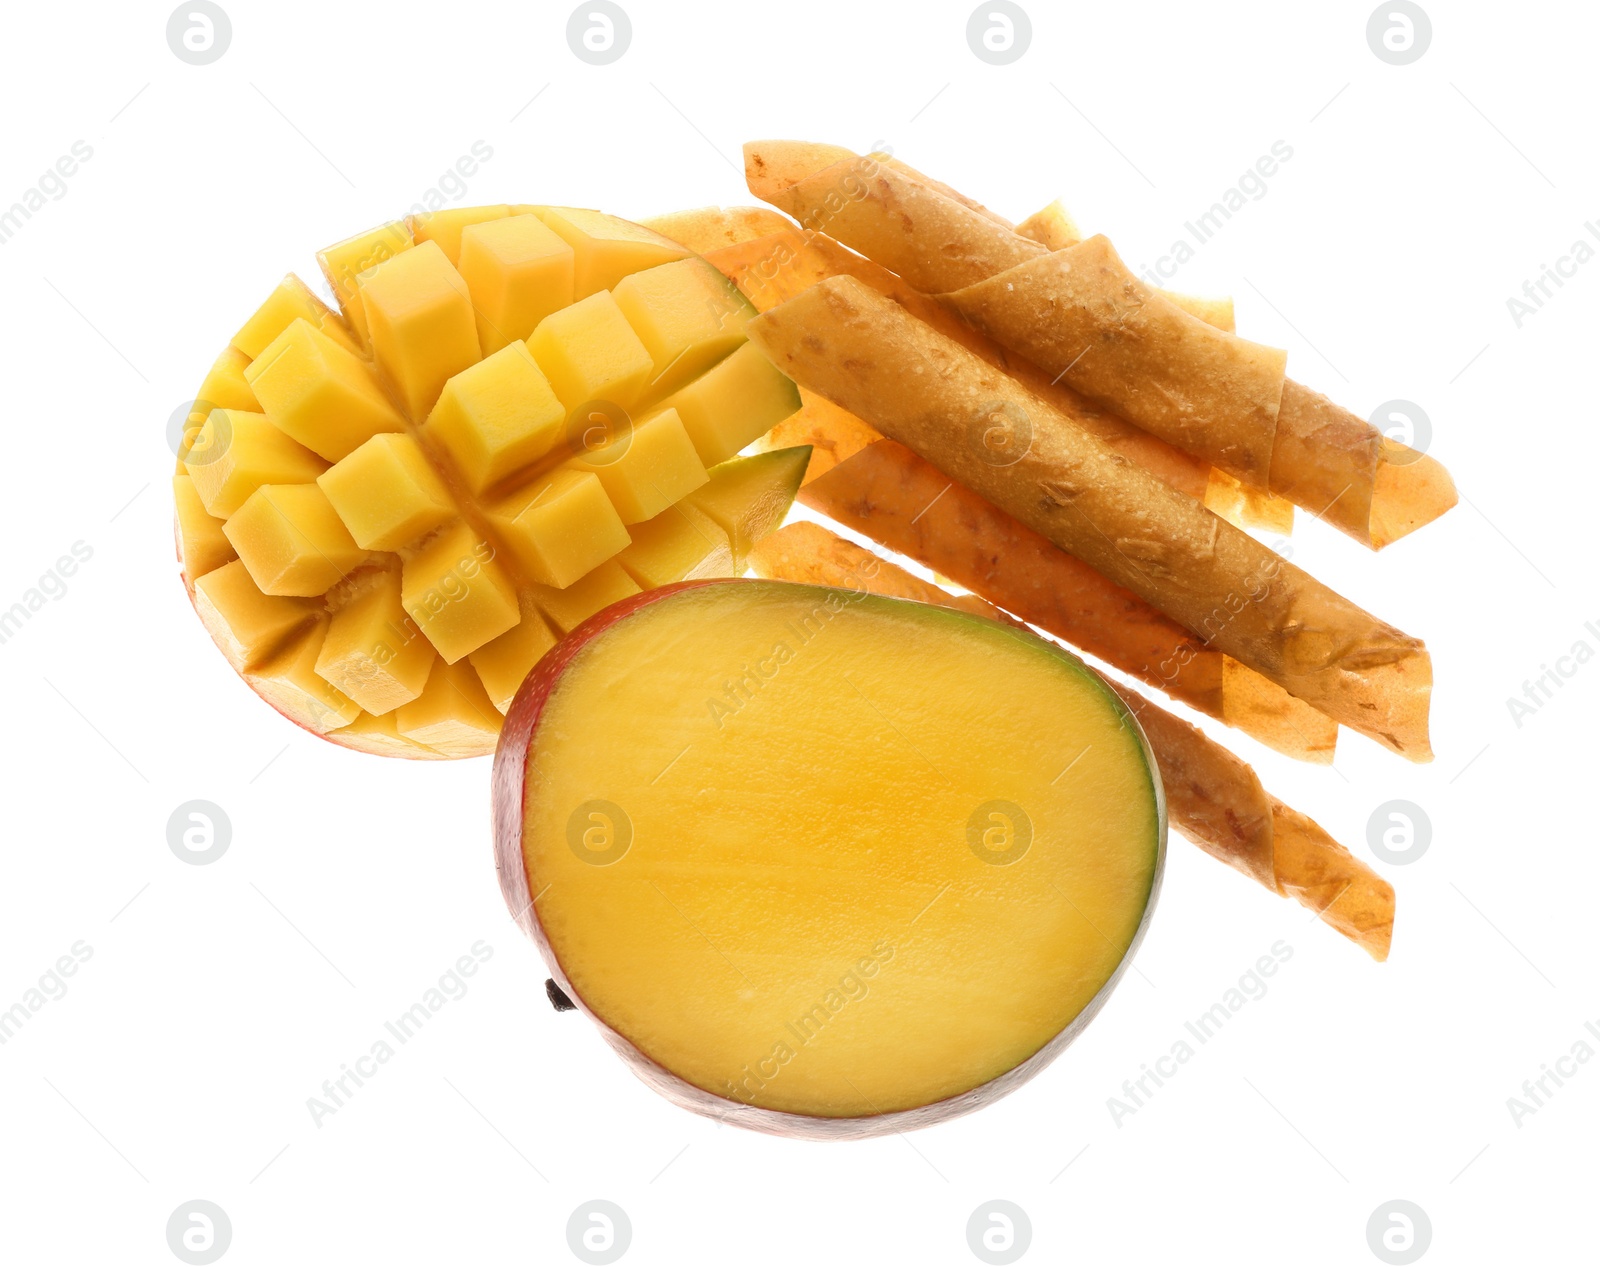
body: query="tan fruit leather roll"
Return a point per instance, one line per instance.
(1213, 797)
(891, 494)
(887, 492)
(1237, 502)
(869, 356)
(1321, 457)
(1080, 315)
(775, 267)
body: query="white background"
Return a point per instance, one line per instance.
(218, 998)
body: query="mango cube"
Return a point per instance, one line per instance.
(202, 544)
(502, 665)
(446, 226)
(646, 469)
(374, 652)
(386, 493)
(734, 402)
(687, 315)
(569, 607)
(224, 387)
(676, 545)
(292, 541)
(560, 527)
(419, 318)
(497, 417)
(247, 624)
(457, 593)
(606, 248)
(589, 352)
(453, 715)
(381, 737)
(291, 300)
(289, 682)
(747, 498)
(344, 262)
(236, 453)
(320, 393)
(518, 272)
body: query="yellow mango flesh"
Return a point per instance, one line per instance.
(446, 226)
(498, 417)
(386, 493)
(292, 541)
(647, 468)
(675, 546)
(376, 507)
(560, 527)
(687, 315)
(316, 391)
(235, 453)
(589, 352)
(419, 317)
(203, 546)
(291, 301)
(765, 398)
(344, 262)
(518, 272)
(374, 652)
(290, 683)
(816, 882)
(607, 249)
